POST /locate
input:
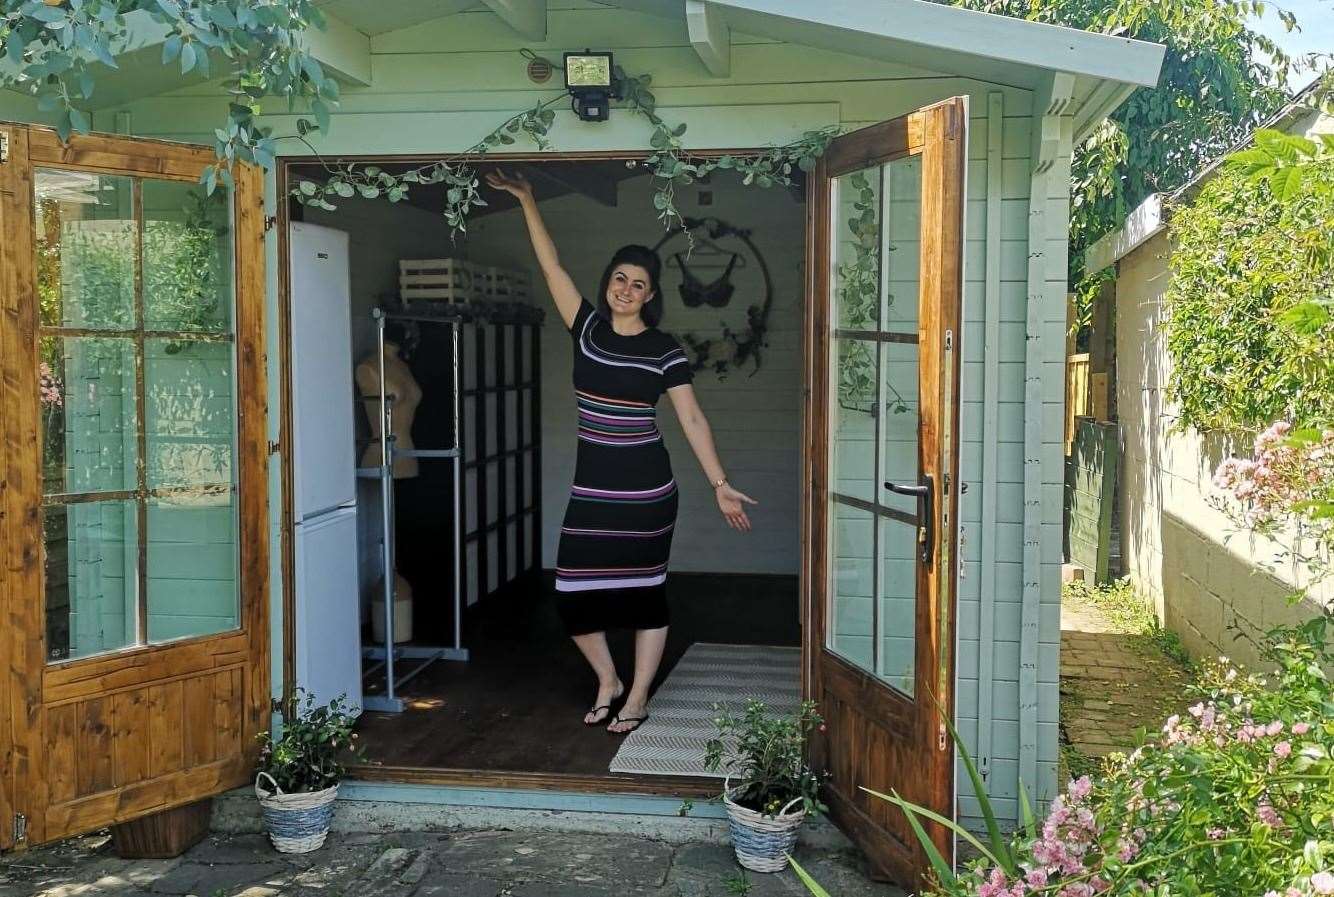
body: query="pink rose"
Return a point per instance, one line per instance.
(1301, 728)
(1282, 750)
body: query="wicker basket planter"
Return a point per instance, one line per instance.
(296, 823)
(762, 843)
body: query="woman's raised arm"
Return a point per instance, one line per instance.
(559, 282)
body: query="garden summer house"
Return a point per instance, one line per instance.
(895, 315)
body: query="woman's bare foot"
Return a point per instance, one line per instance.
(629, 718)
(602, 703)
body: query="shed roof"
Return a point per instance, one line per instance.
(931, 36)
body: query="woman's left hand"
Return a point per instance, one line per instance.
(731, 502)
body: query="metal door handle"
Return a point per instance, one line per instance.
(926, 531)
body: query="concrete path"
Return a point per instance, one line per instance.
(1112, 684)
(455, 864)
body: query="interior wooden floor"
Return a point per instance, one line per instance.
(518, 704)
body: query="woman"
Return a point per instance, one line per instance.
(611, 566)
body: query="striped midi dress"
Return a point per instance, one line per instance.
(611, 564)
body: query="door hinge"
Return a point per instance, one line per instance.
(20, 828)
(275, 447)
(4, 148)
(269, 222)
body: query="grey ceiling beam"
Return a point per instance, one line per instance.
(527, 17)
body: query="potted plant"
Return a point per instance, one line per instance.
(296, 779)
(774, 788)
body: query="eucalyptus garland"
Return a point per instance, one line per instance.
(53, 49)
(671, 165)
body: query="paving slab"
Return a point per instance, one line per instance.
(426, 864)
(1113, 683)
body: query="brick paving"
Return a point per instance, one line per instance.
(425, 864)
(1112, 683)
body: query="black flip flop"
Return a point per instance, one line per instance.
(601, 720)
(637, 720)
(607, 707)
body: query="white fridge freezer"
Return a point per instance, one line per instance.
(328, 629)
(328, 650)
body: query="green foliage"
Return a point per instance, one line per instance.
(765, 755)
(1236, 798)
(1248, 325)
(316, 741)
(462, 193)
(1215, 86)
(738, 883)
(670, 163)
(54, 49)
(185, 269)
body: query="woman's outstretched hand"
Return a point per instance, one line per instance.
(515, 185)
(732, 503)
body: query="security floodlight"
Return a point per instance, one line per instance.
(588, 78)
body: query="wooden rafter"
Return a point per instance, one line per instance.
(710, 36)
(527, 17)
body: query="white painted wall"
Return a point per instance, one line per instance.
(1219, 588)
(756, 419)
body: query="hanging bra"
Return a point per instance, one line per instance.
(695, 292)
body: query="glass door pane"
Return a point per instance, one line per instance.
(136, 378)
(852, 584)
(897, 605)
(875, 419)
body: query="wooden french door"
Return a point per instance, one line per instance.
(885, 218)
(133, 481)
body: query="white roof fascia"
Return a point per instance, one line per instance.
(909, 27)
(1104, 100)
(1141, 225)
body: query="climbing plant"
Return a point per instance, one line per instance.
(52, 48)
(1220, 78)
(670, 163)
(1249, 324)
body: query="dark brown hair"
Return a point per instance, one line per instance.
(643, 257)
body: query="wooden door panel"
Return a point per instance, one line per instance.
(129, 739)
(103, 739)
(884, 730)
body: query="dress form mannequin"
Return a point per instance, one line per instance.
(399, 383)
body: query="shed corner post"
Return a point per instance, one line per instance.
(1047, 275)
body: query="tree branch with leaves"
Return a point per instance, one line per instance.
(53, 50)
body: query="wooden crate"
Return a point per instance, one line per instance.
(502, 283)
(450, 280)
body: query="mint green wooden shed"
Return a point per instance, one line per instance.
(428, 78)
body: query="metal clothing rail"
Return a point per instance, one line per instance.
(387, 655)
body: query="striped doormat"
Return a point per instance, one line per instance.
(681, 713)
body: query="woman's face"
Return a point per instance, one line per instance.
(628, 289)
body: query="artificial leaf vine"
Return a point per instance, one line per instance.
(670, 163)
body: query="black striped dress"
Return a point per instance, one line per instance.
(611, 566)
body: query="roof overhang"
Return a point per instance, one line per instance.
(930, 36)
(946, 39)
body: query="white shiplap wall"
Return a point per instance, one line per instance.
(756, 418)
